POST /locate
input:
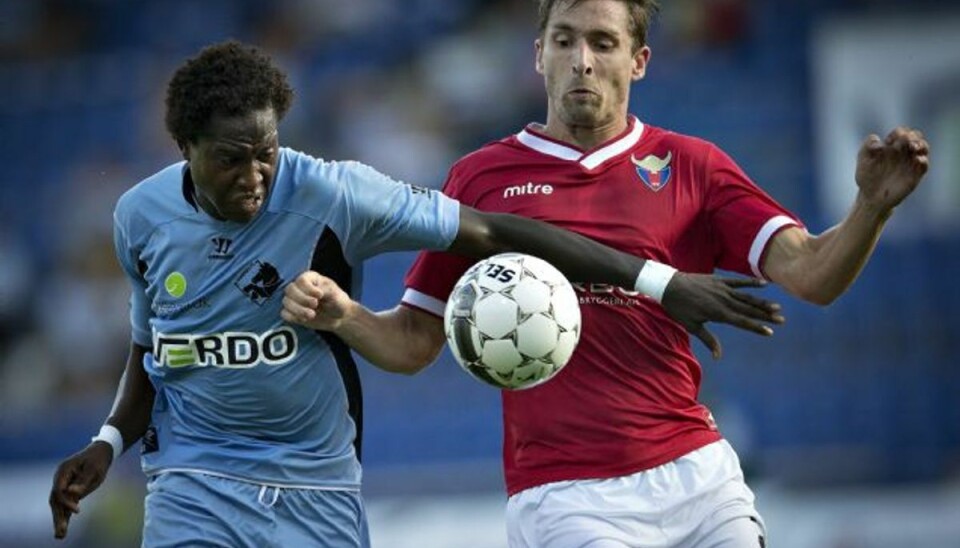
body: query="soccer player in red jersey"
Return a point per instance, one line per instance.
(616, 450)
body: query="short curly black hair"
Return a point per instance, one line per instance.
(225, 79)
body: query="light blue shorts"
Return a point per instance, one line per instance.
(195, 509)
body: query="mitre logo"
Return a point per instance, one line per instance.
(654, 171)
(527, 189)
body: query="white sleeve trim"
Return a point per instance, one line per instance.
(763, 238)
(423, 301)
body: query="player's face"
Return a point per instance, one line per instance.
(232, 164)
(587, 58)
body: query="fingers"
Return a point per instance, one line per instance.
(709, 340)
(908, 140)
(743, 282)
(63, 503)
(298, 308)
(302, 297)
(911, 148)
(746, 316)
(61, 520)
(872, 145)
(755, 307)
(749, 324)
(901, 140)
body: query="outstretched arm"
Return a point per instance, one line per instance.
(83, 472)
(690, 299)
(820, 268)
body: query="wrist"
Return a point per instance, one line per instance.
(653, 279)
(872, 210)
(346, 322)
(111, 436)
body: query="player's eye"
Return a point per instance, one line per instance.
(267, 155)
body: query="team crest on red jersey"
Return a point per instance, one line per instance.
(653, 171)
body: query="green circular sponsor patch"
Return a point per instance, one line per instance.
(175, 284)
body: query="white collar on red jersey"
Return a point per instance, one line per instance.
(589, 159)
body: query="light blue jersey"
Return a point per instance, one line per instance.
(241, 393)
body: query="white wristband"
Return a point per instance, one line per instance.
(653, 279)
(111, 435)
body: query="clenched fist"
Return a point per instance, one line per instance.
(315, 301)
(889, 170)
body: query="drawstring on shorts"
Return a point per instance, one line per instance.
(268, 495)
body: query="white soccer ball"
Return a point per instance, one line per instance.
(512, 321)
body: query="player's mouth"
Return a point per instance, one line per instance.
(248, 202)
(582, 93)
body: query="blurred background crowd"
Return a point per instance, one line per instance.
(847, 411)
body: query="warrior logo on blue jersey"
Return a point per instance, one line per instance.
(653, 171)
(221, 248)
(259, 281)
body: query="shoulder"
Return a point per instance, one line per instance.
(153, 201)
(698, 154)
(493, 157)
(687, 145)
(302, 181)
(311, 186)
(305, 172)
(492, 153)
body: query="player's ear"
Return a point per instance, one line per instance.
(641, 58)
(538, 48)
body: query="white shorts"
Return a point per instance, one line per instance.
(698, 500)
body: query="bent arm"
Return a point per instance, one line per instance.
(133, 404)
(818, 269)
(400, 340)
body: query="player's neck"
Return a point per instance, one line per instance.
(584, 137)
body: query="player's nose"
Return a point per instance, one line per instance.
(251, 176)
(582, 59)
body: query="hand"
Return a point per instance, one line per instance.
(75, 478)
(315, 301)
(694, 299)
(889, 170)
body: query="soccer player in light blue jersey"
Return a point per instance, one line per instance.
(250, 425)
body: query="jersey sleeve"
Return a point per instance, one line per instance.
(743, 218)
(376, 214)
(433, 274)
(129, 261)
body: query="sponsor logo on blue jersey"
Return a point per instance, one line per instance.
(163, 308)
(232, 349)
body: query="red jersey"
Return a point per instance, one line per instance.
(627, 399)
